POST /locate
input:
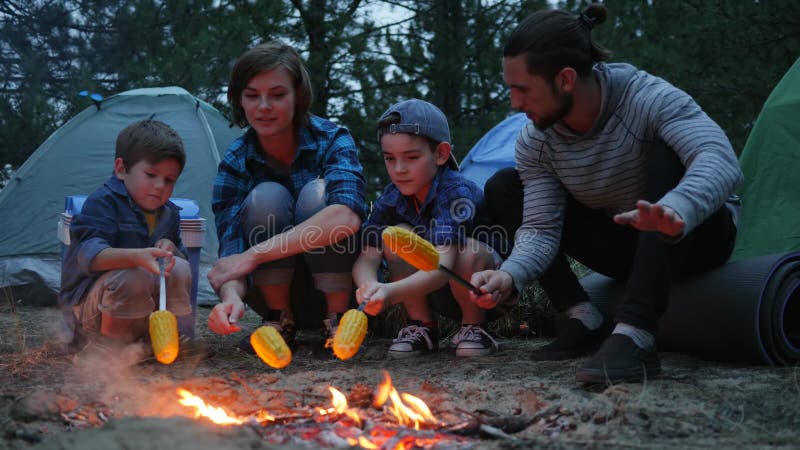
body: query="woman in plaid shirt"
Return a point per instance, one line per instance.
(288, 198)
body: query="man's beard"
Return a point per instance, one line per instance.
(563, 109)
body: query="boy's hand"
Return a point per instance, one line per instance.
(375, 294)
(652, 217)
(166, 244)
(229, 268)
(225, 315)
(147, 258)
(496, 286)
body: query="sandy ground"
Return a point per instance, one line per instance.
(46, 402)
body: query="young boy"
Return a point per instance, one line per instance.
(429, 196)
(109, 274)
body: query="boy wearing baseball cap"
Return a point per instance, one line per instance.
(429, 196)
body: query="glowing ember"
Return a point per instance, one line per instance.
(362, 442)
(215, 414)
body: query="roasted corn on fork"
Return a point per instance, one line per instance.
(419, 253)
(414, 250)
(164, 336)
(163, 325)
(271, 347)
(350, 333)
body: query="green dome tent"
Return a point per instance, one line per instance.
(770, 220)
(78, 157)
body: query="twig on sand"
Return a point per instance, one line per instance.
(300, 394)
(20, 365)
(499, 427)
(253, 392)
(465, 412)
(235, 377)
(495, 432)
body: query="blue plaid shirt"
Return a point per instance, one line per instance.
(452, 211)
(110, 219)
(324, 150)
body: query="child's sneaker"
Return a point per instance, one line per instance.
(473, 340)
(414, 340)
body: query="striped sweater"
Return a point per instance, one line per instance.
(604, 168)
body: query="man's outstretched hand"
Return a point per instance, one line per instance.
(652, 217)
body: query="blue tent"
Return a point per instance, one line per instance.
(494, 151)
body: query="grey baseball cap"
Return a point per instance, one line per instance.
(421, 118)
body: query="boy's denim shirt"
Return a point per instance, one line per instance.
(453, 210)
(109, 219)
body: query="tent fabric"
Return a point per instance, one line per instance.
(770, 219)
(494, 150)
(78, 157)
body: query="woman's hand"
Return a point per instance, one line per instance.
(225, 315)
(230, 268)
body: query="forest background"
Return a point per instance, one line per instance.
(366, 54)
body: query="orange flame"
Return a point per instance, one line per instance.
(213, 413)
(407, 409)
(383, 391)
(216, 415)
(339, 402)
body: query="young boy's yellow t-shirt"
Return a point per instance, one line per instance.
(150, 218)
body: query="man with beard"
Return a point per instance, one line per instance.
(619, 170)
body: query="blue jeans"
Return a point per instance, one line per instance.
(270, 209)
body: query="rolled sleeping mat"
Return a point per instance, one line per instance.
(745, 311)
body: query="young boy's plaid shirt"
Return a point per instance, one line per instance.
(451, 212)
(324, 150)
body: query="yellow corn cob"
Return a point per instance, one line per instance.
(350, 334)
(270, 347)
(411, 248)
(164, 336)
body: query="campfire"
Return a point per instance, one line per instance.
(372, 417)
(385, 419)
